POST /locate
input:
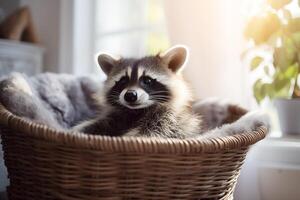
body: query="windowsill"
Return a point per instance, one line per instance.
(275, 150)
(278, 136)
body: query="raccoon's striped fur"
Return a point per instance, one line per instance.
(145, 97)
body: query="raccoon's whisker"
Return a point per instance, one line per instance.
(157, 99)
(112, 97)
(161, 100)
(161, 97)
(115, 93)
(157, 92)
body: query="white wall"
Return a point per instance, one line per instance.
(213, 31)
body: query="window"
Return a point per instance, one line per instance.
(130, 27)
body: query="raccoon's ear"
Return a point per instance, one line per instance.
(107, 62)
(176, 57)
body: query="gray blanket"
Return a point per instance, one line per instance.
(59, 101)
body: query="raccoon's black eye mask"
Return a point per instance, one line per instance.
(147, 81)
(124, 80)
(157, 91)
(144, 80)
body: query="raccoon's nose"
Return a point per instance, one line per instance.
(130, 96)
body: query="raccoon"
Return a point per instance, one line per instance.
(145, 97)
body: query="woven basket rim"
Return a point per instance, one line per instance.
(128, 144)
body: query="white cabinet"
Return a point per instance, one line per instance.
(21, 57)
(271, 171)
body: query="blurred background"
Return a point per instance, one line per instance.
(245, 51)
(71, 32)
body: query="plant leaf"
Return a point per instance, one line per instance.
(280, 83)
(255, 62)
(262, 90)
(292, 71)
(257, 91)
(278, 4)
(296, 39)
(293, 25)
(268, 90)
(260, 28)
(285, 55)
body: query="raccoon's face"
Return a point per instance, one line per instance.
(141, 83)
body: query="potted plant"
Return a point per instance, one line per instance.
(274, 52)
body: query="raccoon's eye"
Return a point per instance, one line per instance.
(146, 80)
(124, 80)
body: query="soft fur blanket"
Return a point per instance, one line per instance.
(59, 101)
(62, 101)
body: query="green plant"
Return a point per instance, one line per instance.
(279, 30)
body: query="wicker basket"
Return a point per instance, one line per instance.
(44, 163)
